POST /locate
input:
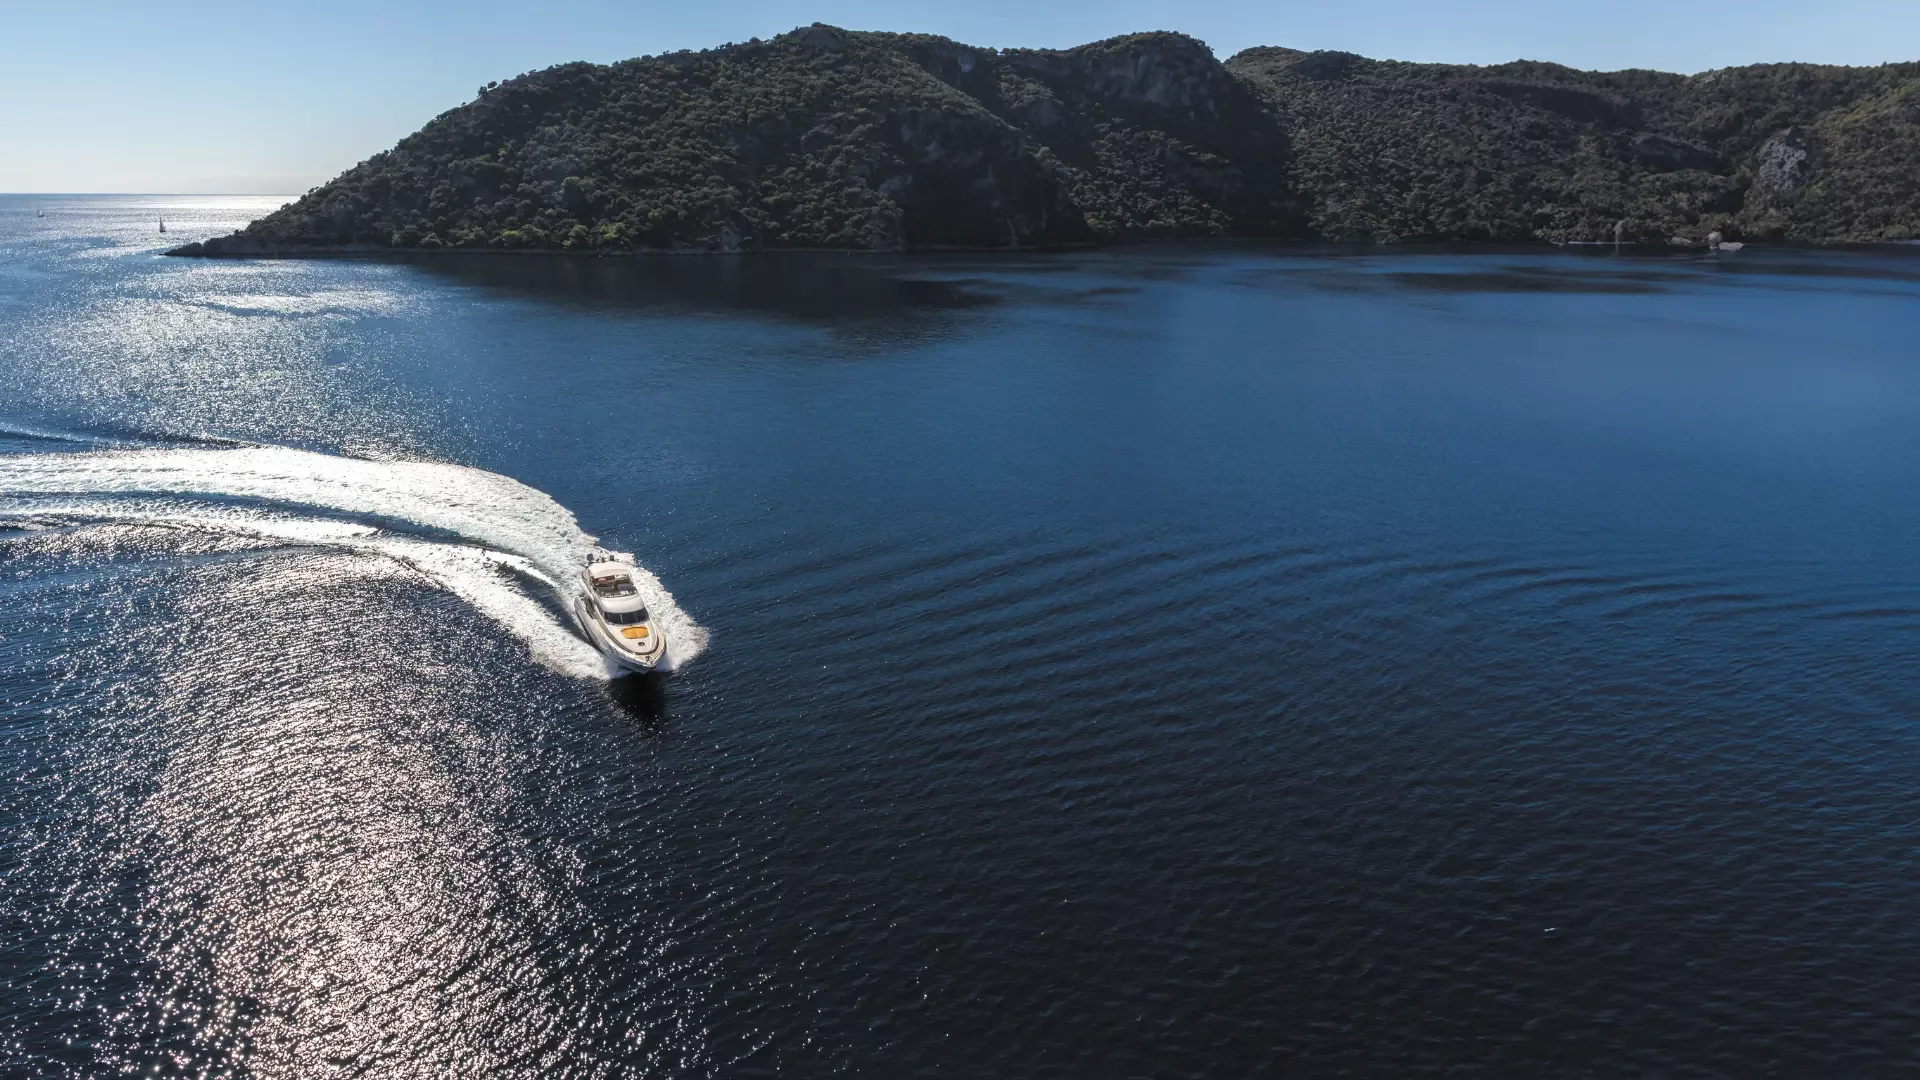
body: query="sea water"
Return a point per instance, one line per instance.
(1185, 661)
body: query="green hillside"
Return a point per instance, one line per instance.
(824, 138)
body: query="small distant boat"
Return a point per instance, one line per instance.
(163, 224)
(37, 212)
(616, 620)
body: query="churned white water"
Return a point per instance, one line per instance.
(497, 530)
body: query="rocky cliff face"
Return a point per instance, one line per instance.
(1387, 151)
(830, 138)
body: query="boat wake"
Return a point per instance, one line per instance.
(480, 536)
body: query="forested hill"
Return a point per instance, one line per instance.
(825, 138)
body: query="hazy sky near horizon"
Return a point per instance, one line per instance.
(249, 97)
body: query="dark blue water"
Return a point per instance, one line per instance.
(1166, 662)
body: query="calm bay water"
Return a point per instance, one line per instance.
(1170, 662)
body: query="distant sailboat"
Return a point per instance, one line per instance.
(163, 224)
(37, 212)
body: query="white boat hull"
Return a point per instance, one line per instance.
(629, 660)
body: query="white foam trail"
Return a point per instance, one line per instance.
(504, 523)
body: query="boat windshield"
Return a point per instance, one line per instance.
(614, 585)
(626, 618)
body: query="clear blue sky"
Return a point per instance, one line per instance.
(277, 97)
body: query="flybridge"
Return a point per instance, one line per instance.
(611, 580)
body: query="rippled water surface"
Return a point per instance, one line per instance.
(1169, 662)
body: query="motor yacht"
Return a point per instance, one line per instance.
(615, 619)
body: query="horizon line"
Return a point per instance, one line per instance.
(154, 194)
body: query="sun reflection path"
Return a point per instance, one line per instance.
(337, 873)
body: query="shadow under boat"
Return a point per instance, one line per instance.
(642, 697)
